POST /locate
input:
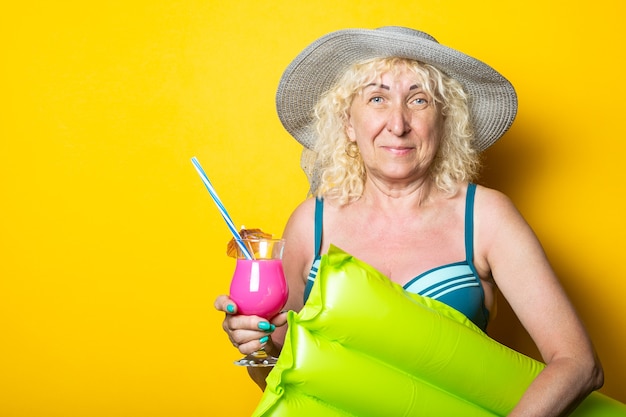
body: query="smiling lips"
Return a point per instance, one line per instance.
(398, 150)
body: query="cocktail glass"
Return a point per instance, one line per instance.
(259, 287)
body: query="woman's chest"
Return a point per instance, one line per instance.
(401, 250)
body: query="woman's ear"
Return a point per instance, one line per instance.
(350, 130)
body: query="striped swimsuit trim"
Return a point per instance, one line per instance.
(313, 272)
(443, 280)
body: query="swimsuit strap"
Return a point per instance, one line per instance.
(469, 223)
(319, 211)
(319, 214)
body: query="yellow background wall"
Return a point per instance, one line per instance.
(111, 252)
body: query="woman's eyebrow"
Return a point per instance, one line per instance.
(386, 87)
(383, 86)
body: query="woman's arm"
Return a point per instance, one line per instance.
(508, 248)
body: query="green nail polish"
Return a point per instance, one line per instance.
(230, 308)
(264, 339)
(263, 325)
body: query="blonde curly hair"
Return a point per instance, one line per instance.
(340, 175)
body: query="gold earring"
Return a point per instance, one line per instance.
(352, 150)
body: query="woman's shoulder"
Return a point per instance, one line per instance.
(490, 198)
(301, 220)
(496, 210)
(305, 209)
(299, 234)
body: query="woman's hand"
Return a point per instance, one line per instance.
(251, 333)
(248, 333)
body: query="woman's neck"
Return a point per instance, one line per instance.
(388, 195)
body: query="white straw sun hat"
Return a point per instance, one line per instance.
(492, 99)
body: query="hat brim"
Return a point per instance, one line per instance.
(492, 98)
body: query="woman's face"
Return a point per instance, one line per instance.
(396, 126)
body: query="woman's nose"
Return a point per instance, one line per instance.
(398, 121)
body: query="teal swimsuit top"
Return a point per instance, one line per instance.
(456, 284)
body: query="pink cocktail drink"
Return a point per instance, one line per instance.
(259, 287)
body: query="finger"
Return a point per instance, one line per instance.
(256, 324)
(225, 304)
(248, 339)
(247, 333)
(252, 345)
(280, 319)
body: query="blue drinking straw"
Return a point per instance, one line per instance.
(222, 209)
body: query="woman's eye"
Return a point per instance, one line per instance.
(420, 102)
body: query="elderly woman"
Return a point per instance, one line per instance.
(393, 124)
